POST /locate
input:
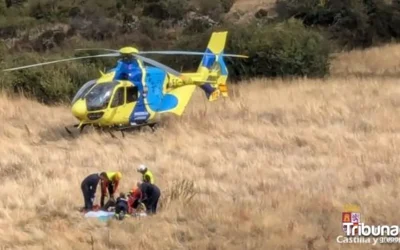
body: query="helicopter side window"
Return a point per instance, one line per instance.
(131, 94)
(118, 98)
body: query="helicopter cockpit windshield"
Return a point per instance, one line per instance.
(99, 97)
(83, 90)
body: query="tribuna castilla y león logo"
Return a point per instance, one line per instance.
(356, 231)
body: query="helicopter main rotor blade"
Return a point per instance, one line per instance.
(170, 52)
(99, 49)
(62, 60)
(167, 52)
(159, 65)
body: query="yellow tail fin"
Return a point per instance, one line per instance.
(212, 68)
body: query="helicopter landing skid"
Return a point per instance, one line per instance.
(123, 129)
(75, 126)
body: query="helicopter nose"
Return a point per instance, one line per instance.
(79, 109)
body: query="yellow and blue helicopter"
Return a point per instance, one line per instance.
(131, 95)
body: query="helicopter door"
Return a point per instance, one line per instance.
(140, 113)
(132, 95)
(117, 105)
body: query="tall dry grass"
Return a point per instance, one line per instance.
(381, 61)
(271, 168)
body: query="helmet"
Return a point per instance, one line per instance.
(142, 168)
(118, 176)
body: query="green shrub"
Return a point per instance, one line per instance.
(275, 50)
(148, 27)
(49, 10)
(215, 9)
(227, 5)
(166, 9)
(353, 24)
(50, 83)
(14, 3)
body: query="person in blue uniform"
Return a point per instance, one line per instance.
(150, 196)
(121, 207)
(89, 186)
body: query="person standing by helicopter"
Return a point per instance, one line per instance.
(110, 182)
(147, 175)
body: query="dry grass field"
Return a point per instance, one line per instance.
(381, 61)
(272, 168)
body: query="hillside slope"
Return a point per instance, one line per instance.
(272, 166)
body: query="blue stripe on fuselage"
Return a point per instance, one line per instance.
(155, 78)
(154, 81)
(139, 113)
(168, 102)
(155, 97)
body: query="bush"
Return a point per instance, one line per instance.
(215, 9)
(352, 23)
(166, 9)
(275, 50)
(51, 83)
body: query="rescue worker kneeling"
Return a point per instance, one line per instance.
(133, 200)
(121, 207)
(150, 196)
(110, 182)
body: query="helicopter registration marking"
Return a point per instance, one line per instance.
(176, 82)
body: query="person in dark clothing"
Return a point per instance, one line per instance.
(88, 187)
(150, 195)
(121, 206)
